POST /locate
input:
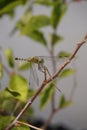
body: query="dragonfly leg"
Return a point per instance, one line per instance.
(45, 75)
(40, 67)
(43, 70)
(46, 70)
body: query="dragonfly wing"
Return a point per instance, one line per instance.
(33, 77)
(48, 59)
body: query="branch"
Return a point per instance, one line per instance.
(69, 59)
(44, 83)
(29, 125)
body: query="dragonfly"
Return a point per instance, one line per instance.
(36, 60)
(40, 62)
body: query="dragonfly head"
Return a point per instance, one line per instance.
(41, 61)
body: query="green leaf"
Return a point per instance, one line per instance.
(57, 13)
(47, 2)
(5, 121)
(25, 19)
(46, 95)
(14, 93)
(31, 93)
(7, 6)
(43, 2)
(66, 72)
(4, 95)
(37, 36)
(36, 22)
(63, 103)
(63, 54)
(7, 106)
(18, 87)
(29, 23)
(1, 70)
(21, 127)
(22, 22)
(9, 56)
(29, 26)
(56, 39)
(24, 66)
(6, 102)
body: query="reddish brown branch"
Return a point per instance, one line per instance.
(44, 83)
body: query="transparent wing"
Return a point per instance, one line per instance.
(33, 76)
(48, 59)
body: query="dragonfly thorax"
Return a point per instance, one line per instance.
(36, 60)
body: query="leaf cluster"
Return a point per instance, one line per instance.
(30, 25)
(16, 93)
(8, 6)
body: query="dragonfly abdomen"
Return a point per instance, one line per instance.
(22, 59)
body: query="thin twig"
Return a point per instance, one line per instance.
(49, 118)
(16, 107)
(44, 83)
(29, 125)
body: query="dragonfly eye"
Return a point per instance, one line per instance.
(42, 60)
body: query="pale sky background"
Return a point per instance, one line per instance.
(73, 28)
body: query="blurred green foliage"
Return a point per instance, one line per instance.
(17, 92)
